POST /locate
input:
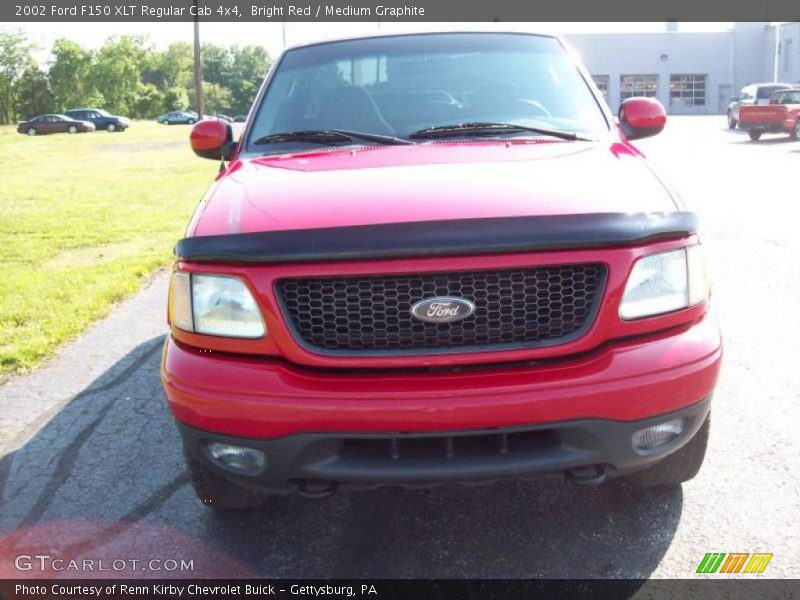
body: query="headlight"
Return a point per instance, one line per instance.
(214, 305)
(665, 282)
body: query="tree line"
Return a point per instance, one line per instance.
(126, 76)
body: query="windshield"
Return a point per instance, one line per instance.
(787, 98)
(766, 91)
(397, 86)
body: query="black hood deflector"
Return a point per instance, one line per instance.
(439, 238)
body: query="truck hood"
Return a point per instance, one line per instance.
(429, 182)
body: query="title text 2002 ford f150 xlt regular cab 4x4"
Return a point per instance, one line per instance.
(436, 258)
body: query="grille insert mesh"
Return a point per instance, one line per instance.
(513, 307)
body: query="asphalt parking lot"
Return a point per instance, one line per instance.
(90, 463)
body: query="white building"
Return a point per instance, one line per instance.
(690, 72)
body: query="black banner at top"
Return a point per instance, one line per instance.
(397, 10)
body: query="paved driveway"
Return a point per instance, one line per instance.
(90, 464)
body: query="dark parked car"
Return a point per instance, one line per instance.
(178, 117)
(755, 93)
(100, 118)
(44, 124)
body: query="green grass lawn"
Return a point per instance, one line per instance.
(83, 219)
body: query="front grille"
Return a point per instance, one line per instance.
(513, 308)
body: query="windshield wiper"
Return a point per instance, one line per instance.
(329, 136)
(480, 128)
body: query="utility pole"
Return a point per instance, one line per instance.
(777, 52)
(198, 67)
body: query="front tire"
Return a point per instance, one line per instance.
(795, 133)
(682, 465)
(731, 121)
(72, 130)
(111, 128)
(754, 135)
(190, 122)
(216, 492)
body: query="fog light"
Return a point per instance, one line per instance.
(237, 458)
(655, 436)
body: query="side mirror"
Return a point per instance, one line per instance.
(641, 117)
(213, 138)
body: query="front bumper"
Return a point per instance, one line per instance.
(565, 414)
(586, 451)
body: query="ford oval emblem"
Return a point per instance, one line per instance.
(442, 309)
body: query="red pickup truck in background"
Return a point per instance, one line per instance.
(781, 115)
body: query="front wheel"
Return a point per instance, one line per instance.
(795, 133)
(217, 492)
(72, 129)
(731, 121)
(754, 135)
(111, 128)
(680, 466)
(191, 121)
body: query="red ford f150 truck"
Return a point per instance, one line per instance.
(436, 258)
(781, 115)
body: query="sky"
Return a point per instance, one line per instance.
(270, 35)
